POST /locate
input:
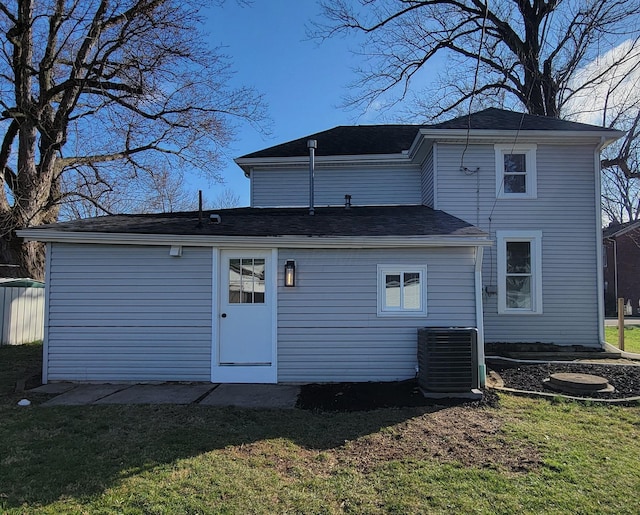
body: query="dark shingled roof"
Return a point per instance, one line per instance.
(393, 139)
(262, 222)
(500, 119)
(348, 140)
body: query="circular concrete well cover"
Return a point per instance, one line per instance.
(578, 383)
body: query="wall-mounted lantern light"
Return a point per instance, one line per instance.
(290, 273)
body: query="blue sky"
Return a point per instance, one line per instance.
(302, 81)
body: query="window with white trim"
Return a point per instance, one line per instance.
(402, 290)
(519, 272)
(516, 171)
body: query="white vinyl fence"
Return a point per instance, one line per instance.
(22, 314)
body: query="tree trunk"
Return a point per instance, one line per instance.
(21, 259)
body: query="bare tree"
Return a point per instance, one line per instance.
(95, 93)
(226, 199)
(162, 191)
(519, 51)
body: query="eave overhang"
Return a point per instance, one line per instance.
(190, 240)
(426, 136)
(247, 163)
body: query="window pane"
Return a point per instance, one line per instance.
(515, 163)
(515, 183)
(234, 281)
(518, 257)
(258, 281)
(519, 292)
(392, 291)
(411, 291)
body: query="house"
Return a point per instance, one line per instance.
(356, 237)
(621, 262)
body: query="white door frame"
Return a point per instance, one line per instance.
(243, 374)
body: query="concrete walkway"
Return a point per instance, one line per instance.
(240, 395)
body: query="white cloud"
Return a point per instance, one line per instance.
(611, 81)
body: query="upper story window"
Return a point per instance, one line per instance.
(516, 171)
(519, 272)
(401, 290)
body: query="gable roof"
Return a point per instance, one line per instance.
(328, 222)
(615, 229)
(394, 139)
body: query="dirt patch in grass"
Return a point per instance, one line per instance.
(468, 435)
(448, 431)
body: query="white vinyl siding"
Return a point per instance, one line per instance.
(376, 186)
(564, 211)
(129, 313)
(328, 326)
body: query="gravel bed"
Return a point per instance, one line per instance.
(624, 378)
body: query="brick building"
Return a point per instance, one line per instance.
(621, 262)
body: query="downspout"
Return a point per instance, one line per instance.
(598, 235)
(482, 368)
(47, 316)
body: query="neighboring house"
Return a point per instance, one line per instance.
(621, 262)
(490, 221)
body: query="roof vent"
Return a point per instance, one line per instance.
(215, 219)
(347, 201)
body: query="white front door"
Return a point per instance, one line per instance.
(246, 344)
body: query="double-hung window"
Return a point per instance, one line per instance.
(402, 290)
(516, 171)
(519, 272)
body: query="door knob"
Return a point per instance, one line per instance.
(224, 315)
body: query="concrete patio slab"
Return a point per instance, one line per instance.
(53, 388)
(253, 396)
(158, 394)
(85, 394)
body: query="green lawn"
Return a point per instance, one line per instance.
(631, 337)
(525, 456)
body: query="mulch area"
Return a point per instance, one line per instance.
(624, 378)
(402, 394)
(370, 396)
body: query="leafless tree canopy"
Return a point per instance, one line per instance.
(528, 50)
(96, 95)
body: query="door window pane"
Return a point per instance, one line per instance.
(246, 281)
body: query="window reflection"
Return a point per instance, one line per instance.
(246, 281)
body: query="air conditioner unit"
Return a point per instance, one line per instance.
(448, 359)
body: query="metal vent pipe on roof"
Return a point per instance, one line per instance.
(312, 144)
